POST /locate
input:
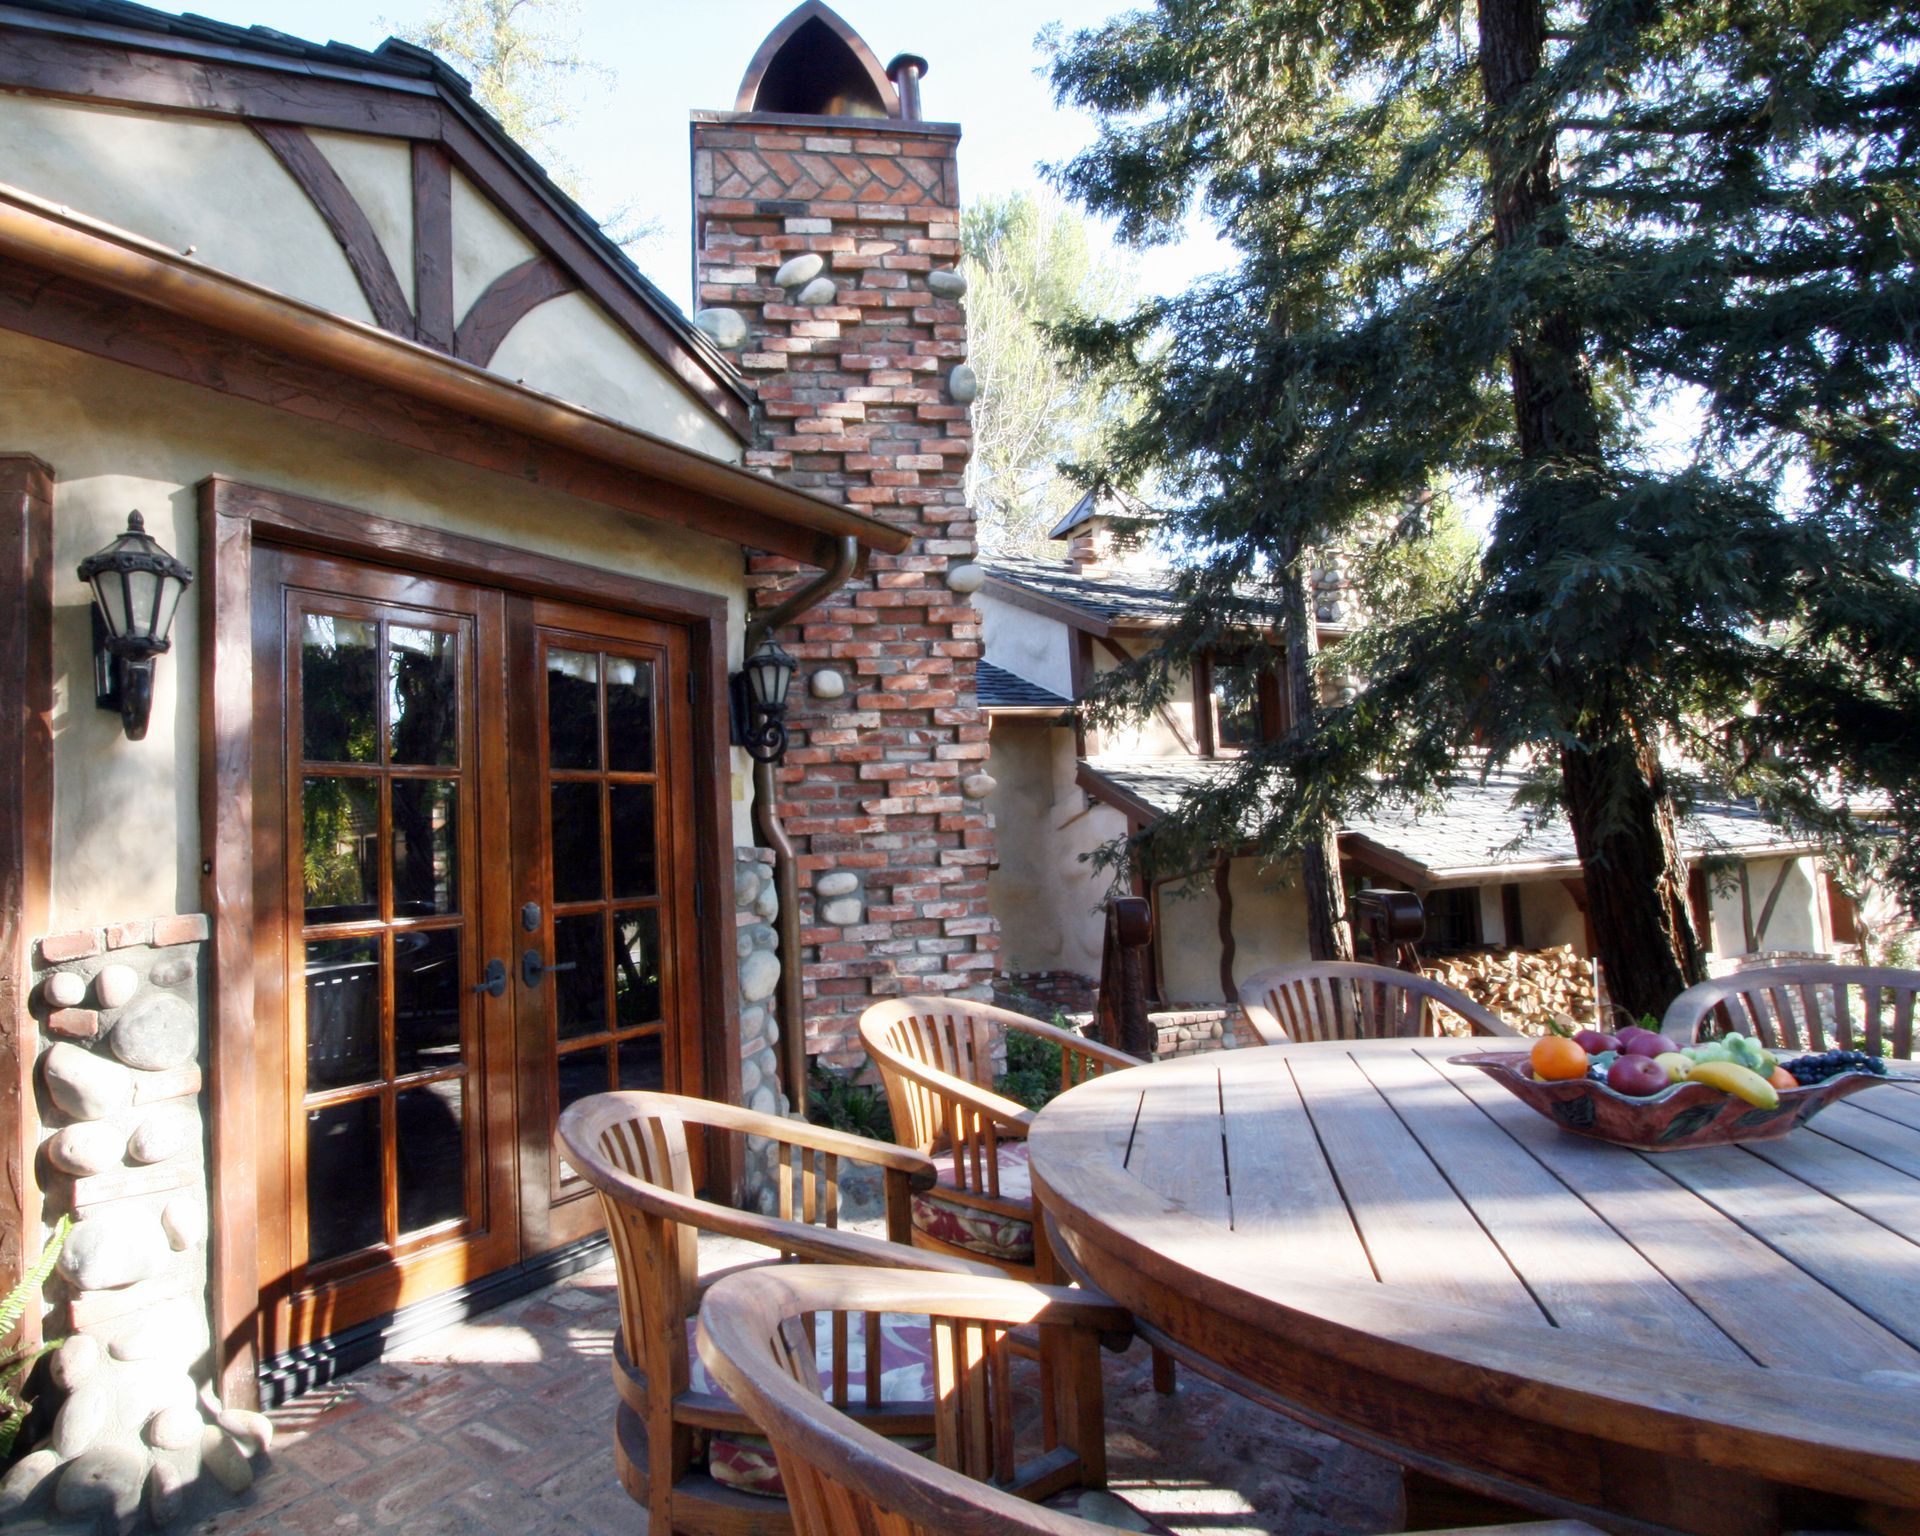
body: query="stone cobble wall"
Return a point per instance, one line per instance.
(826, 264)
(119, 1070)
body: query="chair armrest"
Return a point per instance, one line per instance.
(1079, 1045)
(818, 1138)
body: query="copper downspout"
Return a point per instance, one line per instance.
(767, 828)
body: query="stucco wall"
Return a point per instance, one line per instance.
(1155, 735)
(1269, 928)
(1796, 922)
(1046, 898)
(126, 826)
(1026, 644)
(1549, 917)
(212, 188)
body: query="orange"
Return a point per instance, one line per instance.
(1782, 1078)
(1555, 1057)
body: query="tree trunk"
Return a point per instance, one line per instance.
(1623, 818)
(1328, 935)
(1636, 885)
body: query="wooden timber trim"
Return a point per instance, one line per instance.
(233, 517)
(74, 315)
(117, 66)
(509, 298)
(345, 219)
(1011, 592)
(26, 855)
(433, 248)
(700, 492)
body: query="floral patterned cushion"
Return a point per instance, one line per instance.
(746, 1462)
(1007, 1239)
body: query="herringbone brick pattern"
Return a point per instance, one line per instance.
(505, 1425)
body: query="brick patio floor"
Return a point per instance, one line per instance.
(504, 1424)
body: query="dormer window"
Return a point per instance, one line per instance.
(1238, 703)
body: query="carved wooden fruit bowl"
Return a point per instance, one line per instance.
(1682, 1116)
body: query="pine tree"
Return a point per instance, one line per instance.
(1519, 248)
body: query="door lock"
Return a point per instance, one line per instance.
(532, 968)
(494, 981)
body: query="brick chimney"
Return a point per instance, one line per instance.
(827, 221)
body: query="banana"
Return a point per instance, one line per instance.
(1741, 1082)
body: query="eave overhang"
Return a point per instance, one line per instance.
(710, 495)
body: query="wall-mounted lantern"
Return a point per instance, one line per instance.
(136, 591)
(760, 702)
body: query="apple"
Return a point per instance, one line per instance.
(1647, 1044)
(1594, 1041)
(1636, 1075)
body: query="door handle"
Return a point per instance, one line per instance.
(532, 968)
(494, 983)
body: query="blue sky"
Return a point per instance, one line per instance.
(629, 143)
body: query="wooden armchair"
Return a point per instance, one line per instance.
(984, 1476)
(935, 1056)
(1804, 1008)
(684, 1449)
(1349, 1000)
(984, 1473)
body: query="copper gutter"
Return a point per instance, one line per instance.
(766, 824)
(56, 239)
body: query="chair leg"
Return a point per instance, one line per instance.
(1162, 1372)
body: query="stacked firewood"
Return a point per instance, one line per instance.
(1526, 987)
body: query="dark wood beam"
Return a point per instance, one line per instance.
(346, 221)
(140, 336)
(433, 246)
(26, 834)
(174, 75)
(509, 299)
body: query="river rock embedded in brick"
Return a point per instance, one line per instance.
(827, 683)
(115, 985)
(949, 285)
(966, 579)
(156, 1034)
(163, 1133)
(113, 1249)
(759, 975)
(963, 384)
(108, 1479)
(820, 291)
(92, 1146)
(842, 912)
(839, 883)
(64, 989)
(86, 1086)
(726, 327)
(798, 271)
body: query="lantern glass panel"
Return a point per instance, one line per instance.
(143, 594)
(170, 594)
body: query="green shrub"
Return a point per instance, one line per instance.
(1032, 1077)
(839, 1103)
(17, 1360)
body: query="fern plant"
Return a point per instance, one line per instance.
(18, 1360)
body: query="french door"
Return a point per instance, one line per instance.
(473, 906)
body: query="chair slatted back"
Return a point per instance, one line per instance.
(983, 1474)
(1335, 1000)
(1805, 1008)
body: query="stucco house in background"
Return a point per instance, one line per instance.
(1485, 877)
(435, 825)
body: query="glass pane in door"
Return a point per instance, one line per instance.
(386, 807)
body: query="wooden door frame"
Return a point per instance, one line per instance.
(26, 841)
(233, 515)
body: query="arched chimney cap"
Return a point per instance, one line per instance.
(902, 61)
(815, 65)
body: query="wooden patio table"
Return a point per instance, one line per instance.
(1398, 1251)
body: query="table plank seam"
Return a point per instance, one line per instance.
(1333, 1169)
